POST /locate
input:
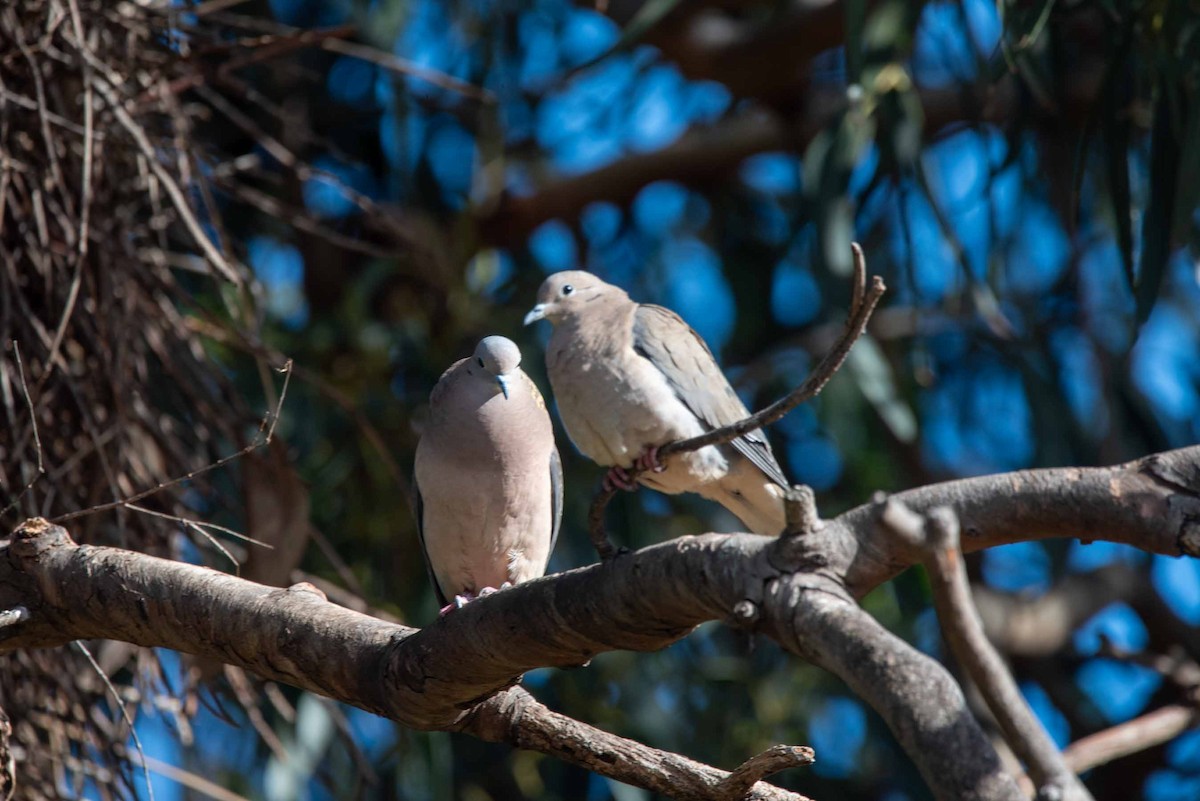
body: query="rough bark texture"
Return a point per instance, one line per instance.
(799, 590)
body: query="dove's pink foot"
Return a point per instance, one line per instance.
(462, 600)
(618, 478)
(459, 602)
(648, 461)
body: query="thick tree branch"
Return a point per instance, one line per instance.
(936, 538)
(917, 697)
(797, 590)
(1152, 503)
(516, 718)
(436, 678)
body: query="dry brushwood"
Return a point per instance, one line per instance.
(110, 241)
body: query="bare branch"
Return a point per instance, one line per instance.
(936, 536)
(37, 440)
(137, 741)
(797, 590)
(421, 678)
(1147, 731)
(204, 787)
(862, 304)
(1125, 739)
(776, 758)
(517, 718)
(918, 698)
(1152, 503)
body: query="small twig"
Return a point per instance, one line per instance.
(239, 682)
(370, 433)
(1146, 731)
(800, 511)
(335, 559)
(268, 423)
(137, 741)
(37, 440)
(261, 48)
(191, 524)
(862, 305)
(287, 379)
(1125, 739)
(192, 781)
(737, 784)
(812, 385)
(936, 537)
(1176, 667)
(188, 521)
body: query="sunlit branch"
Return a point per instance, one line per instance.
(936, 538)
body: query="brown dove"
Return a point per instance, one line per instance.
(488, 478)
(630, 377)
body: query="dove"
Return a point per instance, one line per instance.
(630, 377)
(488, 479)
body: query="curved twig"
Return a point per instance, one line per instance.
(862, 305)
(737, 784)
(37, 440)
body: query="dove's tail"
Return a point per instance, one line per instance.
(751, 496)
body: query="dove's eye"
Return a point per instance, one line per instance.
(567, 289)
(480, 361)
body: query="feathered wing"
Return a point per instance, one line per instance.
(662, 337)
(556, 500)
(419, 508)
(440, 390)
(556, 470)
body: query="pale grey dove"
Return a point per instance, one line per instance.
(488, 478)
(630, 377)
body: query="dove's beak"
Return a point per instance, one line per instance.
(502, 380)
(538, 312)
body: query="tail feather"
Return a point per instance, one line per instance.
(747, 493)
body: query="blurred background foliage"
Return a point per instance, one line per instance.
(1023, 174)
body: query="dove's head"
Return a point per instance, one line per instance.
(566, 293)
(499, 357)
